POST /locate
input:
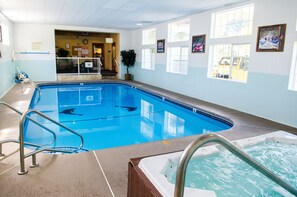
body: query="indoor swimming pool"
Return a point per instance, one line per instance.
(113, 114)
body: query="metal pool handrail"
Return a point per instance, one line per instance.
(36, 87)
(22, 154)
(191, 148)
(34, 121)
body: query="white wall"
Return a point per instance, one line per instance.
(42, 67)
(266, 92)
(7, 67)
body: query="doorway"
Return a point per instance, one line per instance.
(98, 52)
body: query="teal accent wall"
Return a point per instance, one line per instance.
(7, 71)
(38, 70)
(264, 95)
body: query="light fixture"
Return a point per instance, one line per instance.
(139, 24)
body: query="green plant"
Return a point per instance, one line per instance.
(128, 58)
(62, 52)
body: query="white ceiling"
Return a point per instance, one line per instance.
(118, 14)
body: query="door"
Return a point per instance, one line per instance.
(98, 52)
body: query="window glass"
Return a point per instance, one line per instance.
(148, 58)
(149, 36)
(234, 22)
(179, 31)
(5, 34)
(230, 61)
(177, 60)
(293, 73)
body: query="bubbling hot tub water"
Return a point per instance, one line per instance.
(215, 170)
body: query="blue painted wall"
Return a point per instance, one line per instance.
(265, 94)
(38, 70)
(7, 72)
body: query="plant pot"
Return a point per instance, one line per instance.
(128, 77)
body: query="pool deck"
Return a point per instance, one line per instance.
(102, 172)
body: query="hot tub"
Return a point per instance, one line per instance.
(214, 171)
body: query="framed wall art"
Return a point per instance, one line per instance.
(161, 46)
(198, 44)
(271, 38)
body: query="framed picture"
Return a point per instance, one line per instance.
(198, 44)
(161, 46)
(67, 46)
(271, 38)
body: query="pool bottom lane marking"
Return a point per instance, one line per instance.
(128, 108)
(69, 112)
(103, 174)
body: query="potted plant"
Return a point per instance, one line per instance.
(128, 59)
(63, 52)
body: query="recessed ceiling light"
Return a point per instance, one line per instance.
(139, 24)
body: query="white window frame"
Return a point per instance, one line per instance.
(173, 29)
(150, 65)
(221, 22)
(148, 42)
(293, 71)
(211, 61)
(5, 34)
(236, 39)
(170, 67)
(149, 36)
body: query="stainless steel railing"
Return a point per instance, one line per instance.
(33, 154)
(35, 122)
(208, 138)
(40, 148)
(37, 88)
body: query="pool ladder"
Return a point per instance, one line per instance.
(208, 138)
(39, 148)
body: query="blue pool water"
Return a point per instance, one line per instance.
(111, 115)
(227, 175)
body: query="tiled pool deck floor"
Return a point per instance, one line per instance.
(102, 172)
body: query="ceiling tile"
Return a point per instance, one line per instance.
(123, 14)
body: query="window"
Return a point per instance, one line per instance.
(177, 51)
(148, 36)
(5, 34)
(179, 31)
(229, 58)
(234, 22)
(148, 49)
(177, 59)
(230, 61)
(293, 73)
(148, 58)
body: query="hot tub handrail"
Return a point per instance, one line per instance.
(34, 121)
(208, 138)
(21, 136)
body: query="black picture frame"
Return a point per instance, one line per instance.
(198, 44)
(161, 46)
(271, 38)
